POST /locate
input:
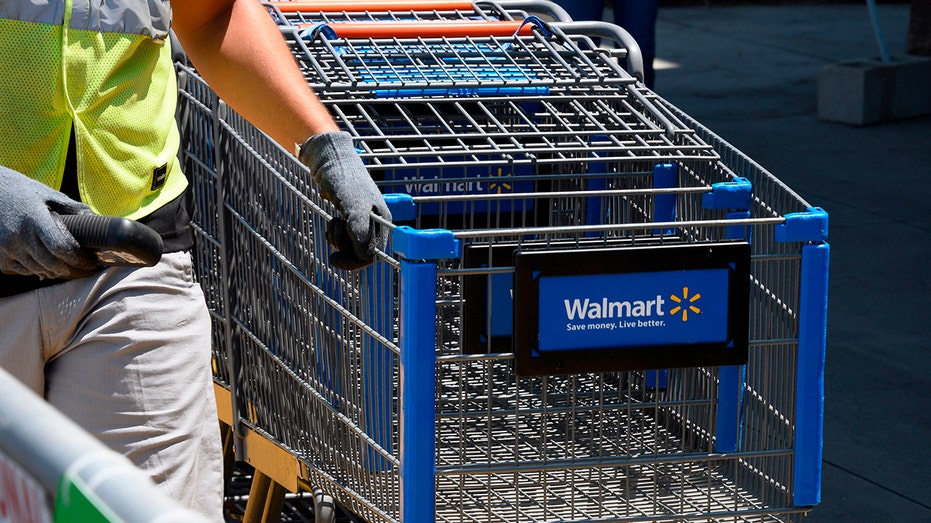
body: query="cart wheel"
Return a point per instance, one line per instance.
(324, 507)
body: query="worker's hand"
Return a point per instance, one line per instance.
(337, 168)
(32, 240)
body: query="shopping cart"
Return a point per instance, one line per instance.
(431, 386)
(469, 56)
(598, 69)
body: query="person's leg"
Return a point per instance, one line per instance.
(134, 370)
(638, 17)
(21, 348)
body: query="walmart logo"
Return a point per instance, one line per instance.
(499, 187)
(684, 307)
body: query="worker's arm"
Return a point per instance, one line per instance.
(236, 46)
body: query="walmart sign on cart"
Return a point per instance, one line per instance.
(655, 308)
(627, 309)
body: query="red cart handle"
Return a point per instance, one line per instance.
(374, 5)
(431, 29)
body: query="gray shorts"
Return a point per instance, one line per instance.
(126, 354)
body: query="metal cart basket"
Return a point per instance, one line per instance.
(290, 13)
(432, 386)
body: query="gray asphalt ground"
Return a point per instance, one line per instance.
(750, 75)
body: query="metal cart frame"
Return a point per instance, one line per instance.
(363, 384)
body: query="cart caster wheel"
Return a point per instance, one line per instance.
(324, 507)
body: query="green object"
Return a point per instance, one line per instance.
(112, 85)
(76, 502)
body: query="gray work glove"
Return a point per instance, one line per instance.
(32, 240)
(343, 179)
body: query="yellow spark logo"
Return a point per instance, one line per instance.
(684, 308)
(499, 187)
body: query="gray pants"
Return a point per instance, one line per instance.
(126, 354)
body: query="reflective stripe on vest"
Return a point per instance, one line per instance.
(150, 18)
(106, 71)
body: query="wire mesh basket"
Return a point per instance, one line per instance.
(412, 391)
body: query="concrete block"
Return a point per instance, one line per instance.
(868, 91)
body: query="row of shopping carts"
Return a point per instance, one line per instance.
(590, 308)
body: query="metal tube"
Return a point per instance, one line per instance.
(613, 32)
(552, 9)
(63, 458)
(418, 390)
(809, 402)
(878, 30)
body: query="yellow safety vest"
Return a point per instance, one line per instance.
(105, 69)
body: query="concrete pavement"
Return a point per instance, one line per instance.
(750, 75)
